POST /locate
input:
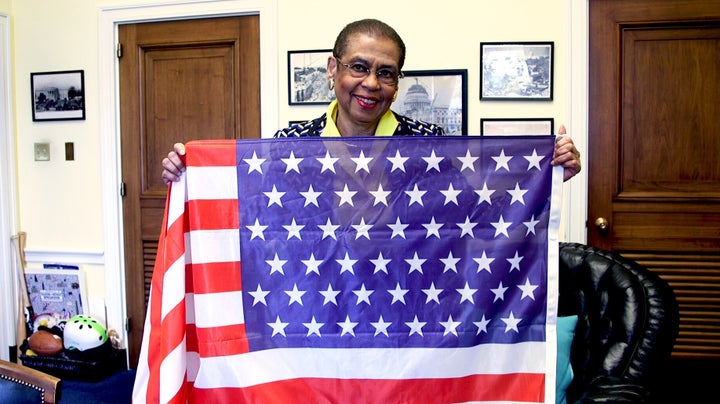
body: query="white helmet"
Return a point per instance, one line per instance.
(83, 333)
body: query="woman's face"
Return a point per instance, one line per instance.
(362, 101)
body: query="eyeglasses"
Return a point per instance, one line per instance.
(384, 75)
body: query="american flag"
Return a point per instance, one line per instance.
(374, 270)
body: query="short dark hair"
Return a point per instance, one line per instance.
(371, 27)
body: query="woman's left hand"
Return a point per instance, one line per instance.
(566, 155)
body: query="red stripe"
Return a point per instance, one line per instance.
(518, 387)
(221, 341)
(211, 153)
(212, 214)
(214, 277)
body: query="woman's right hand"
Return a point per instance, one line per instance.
(174, 164)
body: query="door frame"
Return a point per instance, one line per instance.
(108, 89)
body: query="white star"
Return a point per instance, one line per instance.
(347, 327)
(517, 194)
(484, 262)
(432, 293)
(293, 230)
(416, 326)
(254, 163)
(328, 229)
(450, 326)
(511, 322)
(363, 295)
(312, 264)
(311, 196)
(502, 160)
(433, 162)
(531, 225)
(257, 230)
(451, 194)
(501, 227)
(327, 162)
(361, 162)
(276, 265)
(346, 196)
(313, 327)
(259, 296)
(514, 262)
(380, 195)
(499, 292)
(415, 263)
(527, 289)
(295, 295)
(292, 163)
(484, 194)
(330, 295)
(467, 227)
(398, 229)
(278, 327)
(534, 160)
(450, 263)
(274, 197)
(362, 229)
(468, 161)
(398, 294)
(415, 196)
(380, 326)
(398, 162)
(346, 264)
(433, 229)
(466, 293)
(380, 264)
(481, 325)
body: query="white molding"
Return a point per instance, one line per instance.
(576, 190)
(8, 195)
(64, 257)
(108, 81)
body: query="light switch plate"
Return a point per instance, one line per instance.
(42, 151)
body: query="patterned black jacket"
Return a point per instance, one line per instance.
(406, 127)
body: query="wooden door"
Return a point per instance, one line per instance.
(654, 140)
(179, 81)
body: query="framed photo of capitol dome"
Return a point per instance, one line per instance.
(436, 96)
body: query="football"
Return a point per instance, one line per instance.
(45, 343)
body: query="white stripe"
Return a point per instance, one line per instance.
(369, 363)
(176, 204)
(204, 246)
(172, 373)
(212, 182)
(142, 377)
(173, 286)
(218, 309)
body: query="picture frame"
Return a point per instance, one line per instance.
(58, 96)
(516, 71)
(516, 126)
(435, 96)
(307, 77)
(56, 293)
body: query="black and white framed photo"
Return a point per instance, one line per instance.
(307, 77)
(436, 96)
(58, 96)
(516, 71)
(516, 126)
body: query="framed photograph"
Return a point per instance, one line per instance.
(516, 71)
(307, 77)
(516, 126)
(58, 96)
(436, 96)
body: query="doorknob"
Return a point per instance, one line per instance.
(602, 224)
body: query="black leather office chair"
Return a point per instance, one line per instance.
(628, 322)
(21, 384)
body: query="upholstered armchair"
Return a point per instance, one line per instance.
(628, 322)
(21, 384)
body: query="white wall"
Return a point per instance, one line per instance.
(61, 203)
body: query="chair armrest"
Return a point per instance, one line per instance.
(609, 389)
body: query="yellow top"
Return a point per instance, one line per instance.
(386, 126)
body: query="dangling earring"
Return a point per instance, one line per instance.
(395, 96)
(331, 83)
